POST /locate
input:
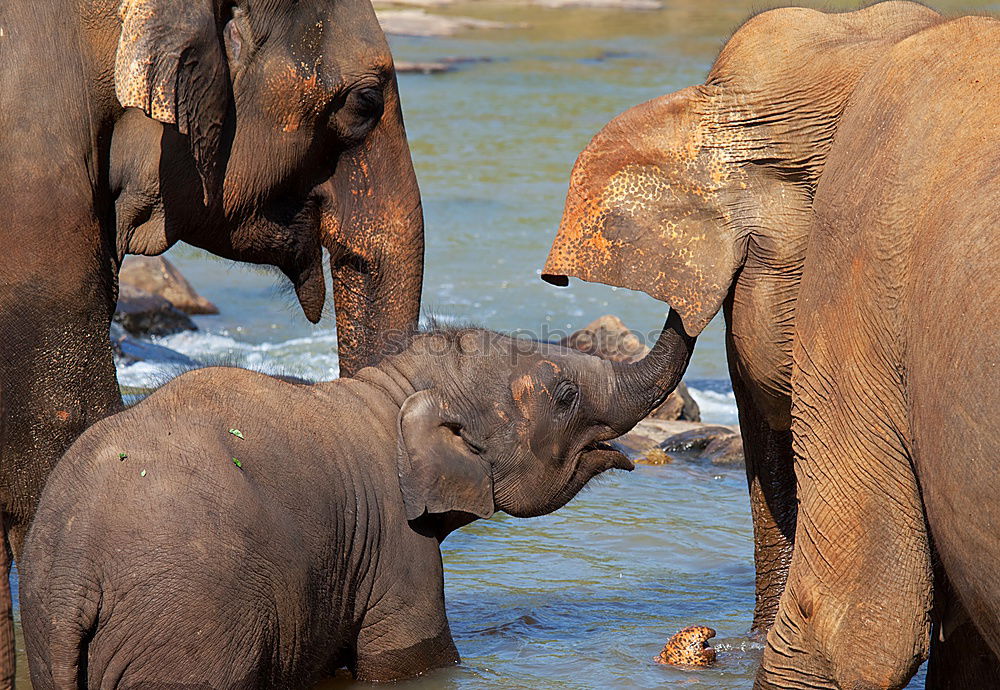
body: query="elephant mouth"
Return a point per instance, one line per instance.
(604, 454)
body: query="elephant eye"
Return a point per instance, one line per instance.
(566, 394)
(361, 110)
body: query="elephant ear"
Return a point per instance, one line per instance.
(644, 210)
(673, 195)
(171, 64)
(438, 472)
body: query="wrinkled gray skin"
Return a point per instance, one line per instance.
(173, 565)
(895, 383)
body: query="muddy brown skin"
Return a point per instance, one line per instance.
(896, 362)
(262, 134)
(155, 560)
(689, 647)
(703, 199)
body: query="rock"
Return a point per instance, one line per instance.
(413, 3)
(719, 445)
(403, 67)
(143, 313)
(659, 442)
(641, 5)
(131, 350)
(689, 647)
(156, 275)
(679, 405)
(609, 338)
(420, 23)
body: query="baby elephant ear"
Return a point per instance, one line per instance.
(438, 472)
(171, 64)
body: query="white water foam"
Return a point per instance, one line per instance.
(313, 357)
(716, 407)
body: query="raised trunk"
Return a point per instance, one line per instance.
(375, 236)
(642, 386)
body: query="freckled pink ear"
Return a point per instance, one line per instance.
(170, 64)
(644, 206)
(438, 472)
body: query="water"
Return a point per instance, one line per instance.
(585, 597)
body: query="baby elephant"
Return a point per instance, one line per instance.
(237, 531)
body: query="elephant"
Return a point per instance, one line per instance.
(894, 382)
(263, 132)
(237, 531)
(703, 199)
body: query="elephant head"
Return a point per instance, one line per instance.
(277, 131)
(689, 194)
(498, 423)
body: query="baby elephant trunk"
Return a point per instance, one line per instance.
(642, 386)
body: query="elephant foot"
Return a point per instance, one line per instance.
(689, 647)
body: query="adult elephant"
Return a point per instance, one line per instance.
(260, 131)
(703, 199)
(895, 380)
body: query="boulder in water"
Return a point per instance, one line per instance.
(131, 350)
(609, 338)
(143, 313)
(156, 275)
(659, 442)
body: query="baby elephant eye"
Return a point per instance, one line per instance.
(461, 433)
(566, 393)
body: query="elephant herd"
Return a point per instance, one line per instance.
(833, 187)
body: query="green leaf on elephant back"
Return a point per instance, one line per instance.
(122, 456)
(236, 432)
(143, 473)
(238, 463)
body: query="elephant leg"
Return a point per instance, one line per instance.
(7, 650)
(406, 632)
(856, 611)
(960, 658)
(771, 480)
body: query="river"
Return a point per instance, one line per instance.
(585, 597)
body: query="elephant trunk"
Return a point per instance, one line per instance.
(375, 235)
(639, 387)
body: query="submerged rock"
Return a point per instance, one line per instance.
(659, 442)
(689, 647)
(130, 350)
(403, 67)
(143, 313)
(157, 276)
(446, 64)
(609, 338)
(719, 445)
